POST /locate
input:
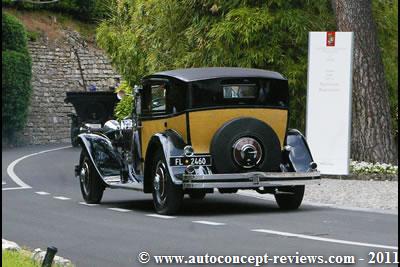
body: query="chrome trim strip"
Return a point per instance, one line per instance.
(250, 175)
(246, 185)
(249, 179)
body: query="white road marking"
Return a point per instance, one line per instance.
(42, 193)
(14, 188)
(118, 209)
(15, 178)
(270, 197)
(209, 223)
(87, 204)
(323, 239)
(61, 198)
(161, 216)
(2, 183)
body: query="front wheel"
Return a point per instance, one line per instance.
(290, 197)
(92, 187)
(167, 197)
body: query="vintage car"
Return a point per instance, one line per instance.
(197, 130)
(92, 110)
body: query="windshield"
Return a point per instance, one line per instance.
(225, 92)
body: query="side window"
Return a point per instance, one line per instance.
(176, 97)
(154, 96)
(158, 93)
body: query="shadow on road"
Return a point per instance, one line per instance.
(211, 206)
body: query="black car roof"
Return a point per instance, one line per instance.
(198, 74)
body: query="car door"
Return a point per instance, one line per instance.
(154, 110)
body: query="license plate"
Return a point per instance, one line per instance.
(193, 160)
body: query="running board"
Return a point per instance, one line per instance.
(129, 185)
(115, 182)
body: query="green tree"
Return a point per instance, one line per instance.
(142, 37)
(16, 76)
(386, 15)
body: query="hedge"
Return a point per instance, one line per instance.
(16, 90)
(13, 34)
(16, 76)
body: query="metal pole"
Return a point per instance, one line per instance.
(48, 258)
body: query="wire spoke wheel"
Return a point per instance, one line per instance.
(167, 196)
(84, 177)
(91, 185)
(160, 182)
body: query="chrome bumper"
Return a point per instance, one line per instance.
(249, 179)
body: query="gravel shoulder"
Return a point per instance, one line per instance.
(354, 193)
(378, 195)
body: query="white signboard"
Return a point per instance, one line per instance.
(328, 122)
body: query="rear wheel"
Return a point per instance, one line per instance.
(290, 198)
(92, 187)
(167, 197)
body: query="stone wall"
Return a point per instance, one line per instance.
(57, 68)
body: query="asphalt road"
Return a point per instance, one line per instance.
(116, 231)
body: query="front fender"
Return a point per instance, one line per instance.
(172, 144)
(105, 159)
(299, 156)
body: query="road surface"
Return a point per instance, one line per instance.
(42, 206)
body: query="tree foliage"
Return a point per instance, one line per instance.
(16, 76)
(386, 17)
(13, 35)
(142, 37)
(124, 107)
(85, 10)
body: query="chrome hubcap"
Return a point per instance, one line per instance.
(247, 152)
(84, 177)
(159, 182)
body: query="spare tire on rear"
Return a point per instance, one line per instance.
(224, 140)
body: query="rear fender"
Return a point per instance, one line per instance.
(105, 159)
(172, 144)
(299, 156)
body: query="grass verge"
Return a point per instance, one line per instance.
(20, 258)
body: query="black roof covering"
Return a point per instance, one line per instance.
(197, 74)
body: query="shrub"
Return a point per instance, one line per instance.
(13, 34)
(85, 10)
(362, 167)
(124, 107)
(16, 90)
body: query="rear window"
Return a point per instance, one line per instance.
(236, 91)
(225, 92)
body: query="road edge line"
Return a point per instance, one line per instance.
(11, 166)
(324, 239)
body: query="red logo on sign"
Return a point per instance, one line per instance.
(330, 39)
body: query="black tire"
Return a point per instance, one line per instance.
(92, 187)
(167, 197)
(230, 132)
(74, 134)
(290, 201)
(198, 195)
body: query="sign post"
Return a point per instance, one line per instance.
(328, 124)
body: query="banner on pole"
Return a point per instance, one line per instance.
(329, 85)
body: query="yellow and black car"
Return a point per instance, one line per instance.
(200, 129)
